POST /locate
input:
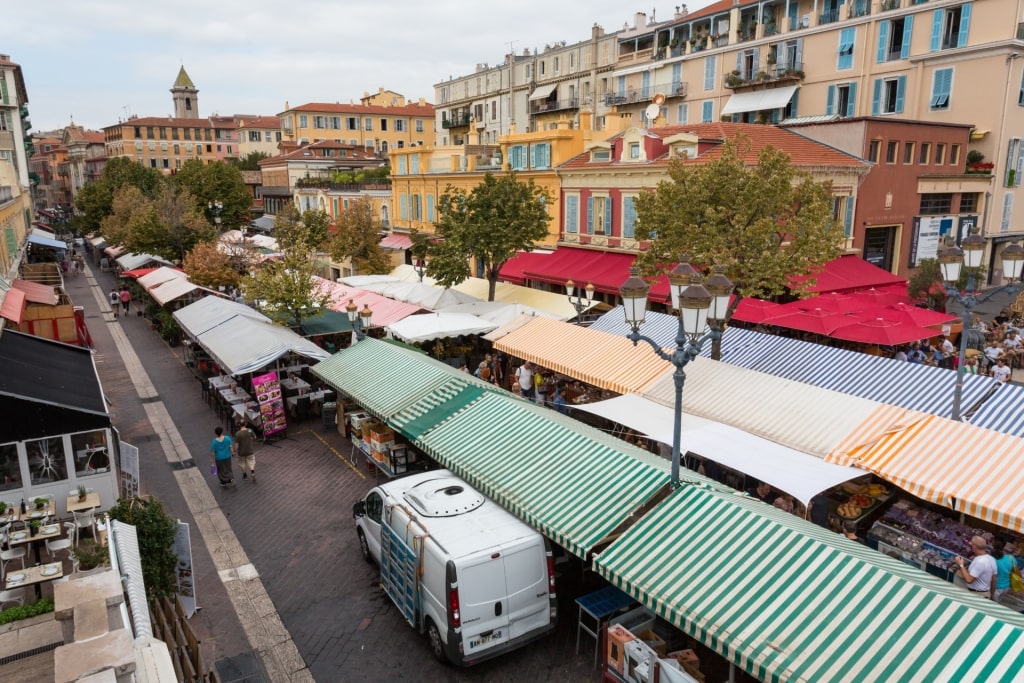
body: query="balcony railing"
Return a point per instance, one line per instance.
(6, 194)
(860, 8)
(765, 73)
(889, 5)
(635, 95)
(829, 17)
(545, 106)
(456, 121)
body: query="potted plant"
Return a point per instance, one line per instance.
(40, 503)
(33, 526)
(90, 555)
(82, 493)
(3, 508)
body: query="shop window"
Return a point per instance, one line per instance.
(10, 468)
(90, 452)
(926, 153)
(891, 149)
(908, 152)
(969, 202)
(46, 460)
(874, 150)
(936, 203)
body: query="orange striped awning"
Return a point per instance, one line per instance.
(969, 469)
(598, 358)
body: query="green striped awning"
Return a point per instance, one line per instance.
(434, 408)
(385, 379)
(785, 606)
(573, 488)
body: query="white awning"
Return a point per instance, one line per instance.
(427, 326)
(759, 100)
(542, 92)
(798, 474)
(632, 70)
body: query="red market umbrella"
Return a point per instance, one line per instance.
(914, 315)
(816, 322)
(883, 332)
(883, 296)
(756, 310)
(833, 303)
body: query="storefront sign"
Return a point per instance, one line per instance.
(183, 573)
(129, 470)
(926, 236)
(967, 223)
(268, 395)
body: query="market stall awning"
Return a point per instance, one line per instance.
(205, 314)
(159, 275)
(1002, 411)
(427, 326)
(798, 474)
(385, 311)
(497, 312)
(542, 91)
(42, 240)
(848, 274)
(759, 100)
(138, 272)
(177, 288)
(13, 305)
(133, 261)
(263, 223)
(882, 332)
(513, 270)
(575, 489)
(98, 242)
(510, 326)
(799, 416)
(325, 322)
(420, 294)
(784, 602)
(960, 466)
(551, 304)
(114, 252)
(597, 358)
(396, 240)
(37, 292)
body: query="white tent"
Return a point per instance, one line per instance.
(175, 289)
(161, 275)
(555, 304)
(497, 312)
(361, 281)
(427, 326)
(243, 344)
(420, 294)
(208, 312)
(799, 474)
(133, 261)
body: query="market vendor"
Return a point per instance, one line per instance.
(980, 575)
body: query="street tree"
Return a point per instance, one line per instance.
(168, 225)
(220, 182)
(208, 265)
(94, 201)
(358, 238)
(491, 224)
(301, 232)
(286, 290)
(763, 222)
(250, 162)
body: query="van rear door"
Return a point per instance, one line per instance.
(483, 602)
(526, 583)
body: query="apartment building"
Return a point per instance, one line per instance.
(944, 61)
(377, 127)
(86, 156)
(15, 198)
(48, 167)
(258, 134)
(166, 143)
(299, 173)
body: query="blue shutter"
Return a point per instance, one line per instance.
(851, 102)
(709, 72)
(590, 215)
(799, 54)
(628, 217)
(876, 98)
(883, 40)
(533, 156)
(403, 206)
(677, 76)
(401, 165)
(707, 111)
(739, 64)
(792, 10)
(847, 37)
(830, 102)
(430, 208)
(901, 91)
(938, 16)
(908, 32)
(608, 215)
(848, 221)
(622, 86)
(572, 213)
(545, 153)
(965, 25)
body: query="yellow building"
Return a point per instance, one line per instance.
(15, 200)
(258, 134)
(377, 127)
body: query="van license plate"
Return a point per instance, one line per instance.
(483, 640)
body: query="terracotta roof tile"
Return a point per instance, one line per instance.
(414, 109)
(259, 121)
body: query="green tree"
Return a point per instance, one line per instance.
(156, 532)
(95, 200)
(250, 162)
(764, 222)
(301, 232)
(217, 182)
(492, 223)
(286, 290)
(168, 225)
(358, 238)
(210, 266)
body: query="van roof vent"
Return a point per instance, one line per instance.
(443, 497)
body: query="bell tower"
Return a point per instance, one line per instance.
(185, 96)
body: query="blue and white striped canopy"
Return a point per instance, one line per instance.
(1002, 412)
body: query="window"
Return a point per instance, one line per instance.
(10, 467)
(399, 125)
(89, 450)
(940, 154)
(351, 123)
(383, 124)
(634, 150)
(46, 459)
(847, 37)
(320, 122)
(367, 123)
(894, 39)
(188, 133)
(572, 213)
(403, 206)
(177, 149)
(842, 99)
(414, 164)
(419, 125)
(417, 213)
(174, 134)
(430, 208)
(873, 151)
(950, 27)
(335, 123)
(936, 203)
(908, 152)
(682, 113)
(517, 157)
(556, 64)
(303, 121)
(888, 95)
(1014, 163)
(969, 202)
(942, 84)
(629, 217)
(891, 149)
(954, 155)
(599, 215)
(543, 68)
(150, 134)
(707, 111)
(601, 155)
(401, 165)
(1004, 222)
(540, 156)
(710, 69)
(926, 153)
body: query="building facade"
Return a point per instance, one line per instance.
(86, 156)
(300, 172)
(258, 134)
(15, 188)
(379, 128)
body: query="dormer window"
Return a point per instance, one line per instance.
(684, 151)
(634, 150)
(601, 155)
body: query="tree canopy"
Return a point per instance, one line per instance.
(216, 182)
(286, 290)
(209, 266)
(358, 238)
(167, 225)
(95, 200)
(250, 162)
(301, 232)
(491, 224)
(764, 223)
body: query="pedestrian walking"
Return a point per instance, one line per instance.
(244, 439)
(126, 299)
(115, 301)
(220, 457)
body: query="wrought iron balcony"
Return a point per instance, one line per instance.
(456, 121)
(546, 106)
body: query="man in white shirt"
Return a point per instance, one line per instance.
(524, 373)
(947, 347)
(980, 575)
(1012, 346)
(993, 352)
(1001, 372)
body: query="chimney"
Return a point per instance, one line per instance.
(681, 12)
(596, 31)
(640, 19)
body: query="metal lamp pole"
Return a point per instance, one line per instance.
(951, 260)
(577, 301)
(360, 320)
(697, 303)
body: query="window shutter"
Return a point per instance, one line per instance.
(533, 156)
(876, 98)
(607, 215)
(851, 100)
(707, 111)
(938, 16)
(848, 221)
(739, 62)
(908, 31)
(799, 54)
(430, 208)
(883, 40)
(403, 206)
(965, 25)
(901, 91)
(677, 75)
(590, 215)
(830, 102)
(572, 213)
(628, 217)
(622, 86)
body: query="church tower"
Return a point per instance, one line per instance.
(185, 96)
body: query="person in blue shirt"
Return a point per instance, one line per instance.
(558, 402)
(916, 355)
(220, 457)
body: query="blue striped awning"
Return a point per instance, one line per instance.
(44, 241)
(1003, 412)
(787, 601)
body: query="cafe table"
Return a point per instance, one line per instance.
(295, 384)
(34, 576)
(49, 510)
(92, 500)
(249, 411)
(222, 382)
(46, 532)
(10, 514)
(235, 395)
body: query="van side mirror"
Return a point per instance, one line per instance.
(359, 509)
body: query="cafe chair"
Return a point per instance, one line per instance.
(85, 520)
(302, 408)
(10, 554)
(16, 595)
(57, 544)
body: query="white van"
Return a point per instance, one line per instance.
(461, 569)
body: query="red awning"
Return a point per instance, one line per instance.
(139, 272)
(42, 226)
(514, 269)
(13, 306)
(849, 274)
(396, 241)
(36, 292)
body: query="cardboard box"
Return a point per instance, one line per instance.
(686, 657)
(651, 640)
(615, 650)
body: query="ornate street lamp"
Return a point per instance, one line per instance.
(578, 301)
(360, 320)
